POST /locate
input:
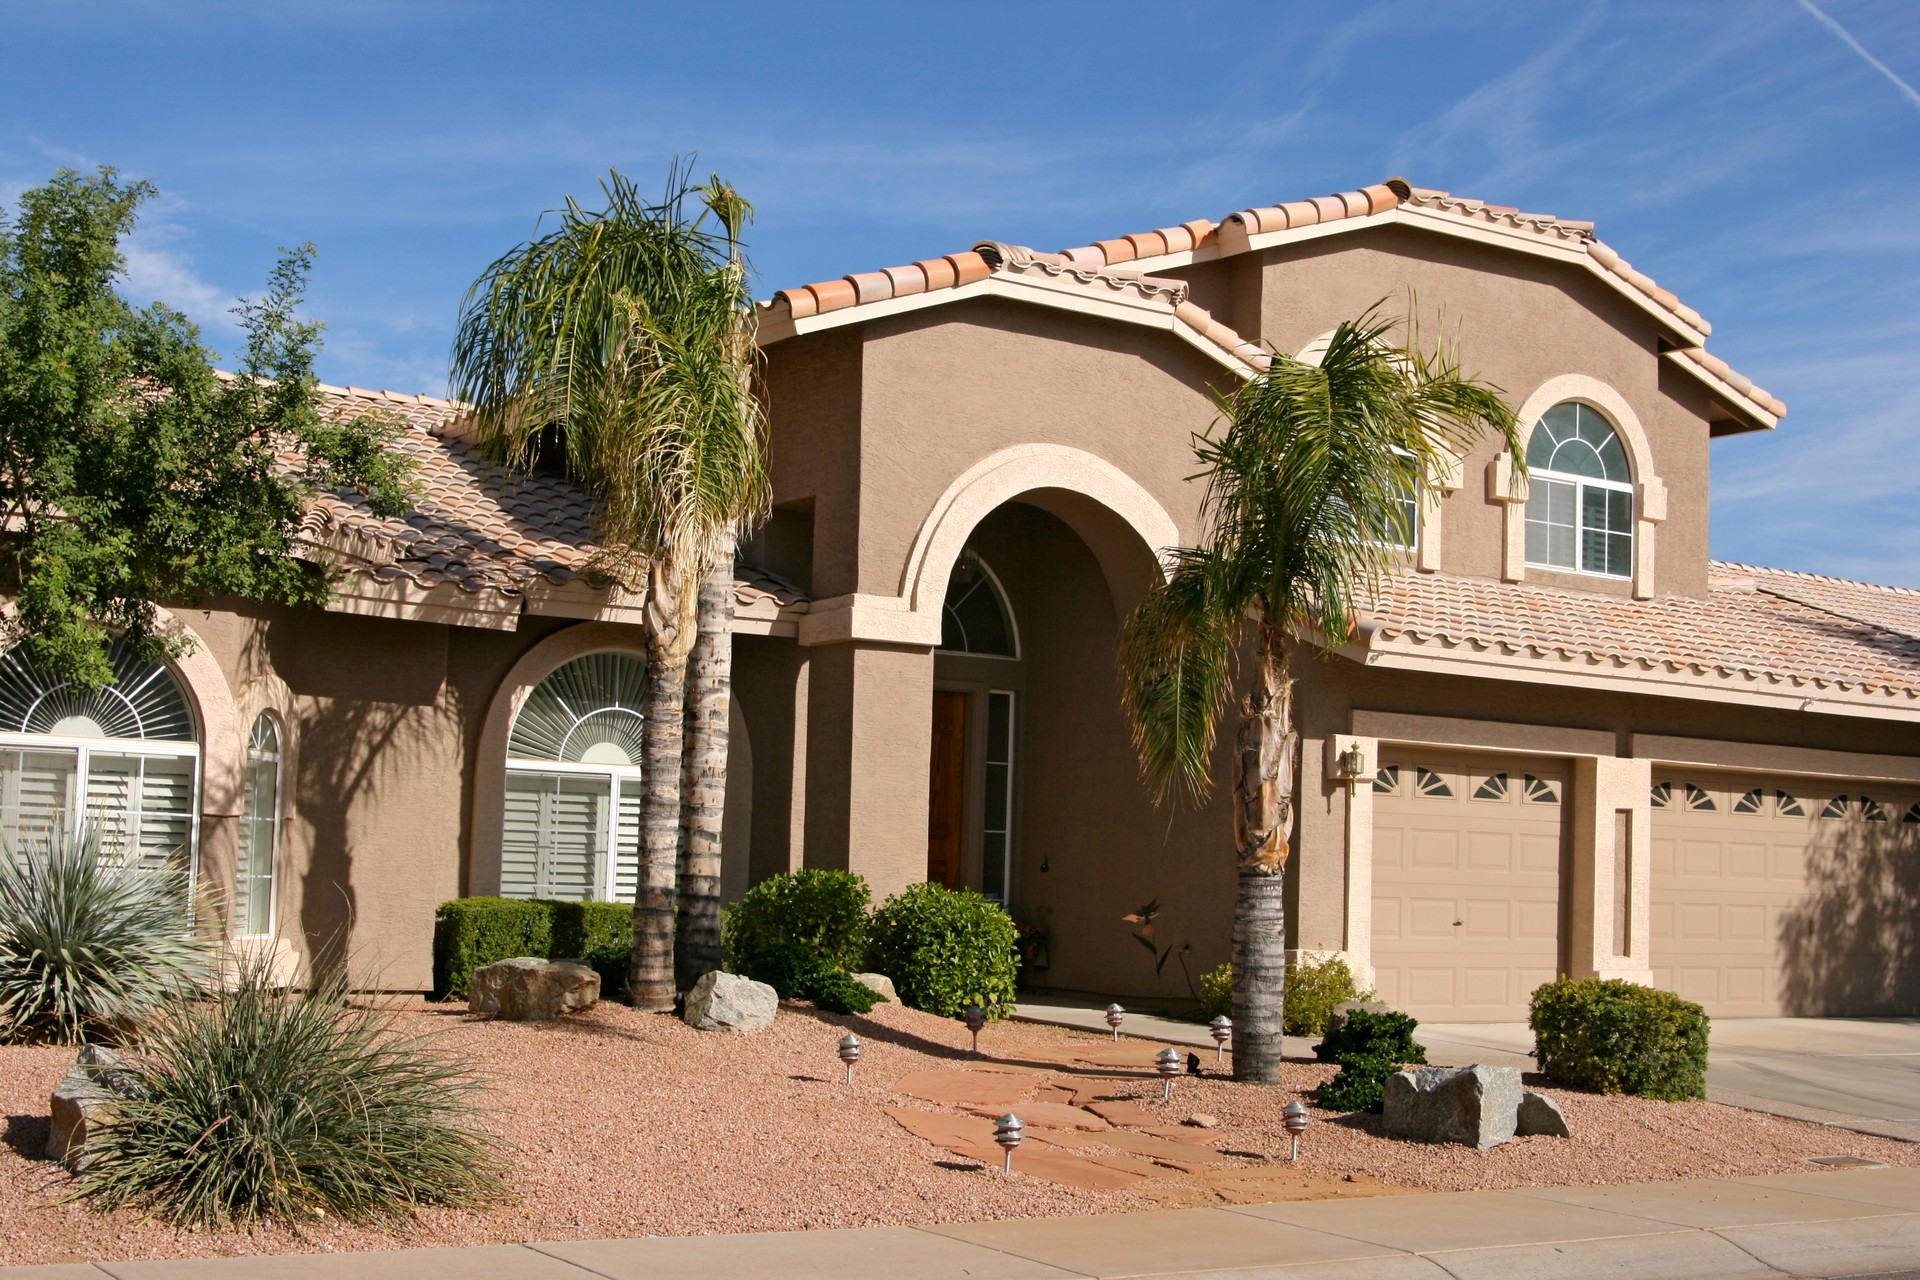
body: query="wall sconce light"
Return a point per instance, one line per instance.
(1353, 764)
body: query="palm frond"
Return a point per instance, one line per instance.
(1176, 663)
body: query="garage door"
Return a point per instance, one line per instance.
(1783, 895)
(1467, 857)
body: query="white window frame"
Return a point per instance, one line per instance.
(1006, 611)
(1005, 829)
(279, 758)
(85, 748)
(1580, 484)
(620, 778)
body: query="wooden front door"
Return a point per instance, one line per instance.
(946, 792)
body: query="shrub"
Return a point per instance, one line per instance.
(89, 939)
(801, 933)
(945, 950)
(472, 933)
(256, 1104)
(1615, 1036)
(1369, 1048)
(1313, 989)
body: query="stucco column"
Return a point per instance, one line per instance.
(1358, 940)
(869, 736)
(1609, 890)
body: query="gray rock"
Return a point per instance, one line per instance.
(878, 982)
(1476, 1106)
(1338, 1018)
(728, 1002)
(1540, 1114)
(528, 989)
(87, 1097)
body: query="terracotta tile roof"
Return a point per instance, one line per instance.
(476, 526)
(1862, 639)
(1203, 238)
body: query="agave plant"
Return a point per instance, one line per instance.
(89, 938)
(257, 1103)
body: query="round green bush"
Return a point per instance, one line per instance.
(1369, 1047)
(1615, 1036)
(789, 930)
(946, 950)
(1313, 989)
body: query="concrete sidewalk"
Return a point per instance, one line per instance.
(1852, 1222)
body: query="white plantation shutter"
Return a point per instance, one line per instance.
(36, 794)
(555, 835)
(144, 803)
(626, 846)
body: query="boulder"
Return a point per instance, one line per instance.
(1476, 1105)
(730, 1003)
(1540, 1114)
(86, 1098)
(878, 983)
(527, 989)
(1338, 1018)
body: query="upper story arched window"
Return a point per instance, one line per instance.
(126, 756)
(975, 618)
(572, 822)
(1580, 497)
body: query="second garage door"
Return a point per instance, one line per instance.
(1467, 860)
(1785, 896)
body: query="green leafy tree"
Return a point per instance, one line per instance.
(1306, 494)
(131, 471)
(619, 346)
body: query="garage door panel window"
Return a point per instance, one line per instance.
(1540, 791)
(571, 827)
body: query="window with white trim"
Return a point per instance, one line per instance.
(1580, 498)
(975, 618)
(259, 852)
(572, 821)
(996, 824)
(126, 757)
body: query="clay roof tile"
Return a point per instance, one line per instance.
(832, 295)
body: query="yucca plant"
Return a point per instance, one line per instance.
(90, 940)
(258, 1104)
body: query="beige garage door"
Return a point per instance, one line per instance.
(1467, 857)
(1782, 895)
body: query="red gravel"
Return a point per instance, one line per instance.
(629, 1125)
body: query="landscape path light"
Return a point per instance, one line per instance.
(975, 1018)
(1294, 1116)
(850, 1052)
(1221, 1029)
(1167, 1063)
(1007, 1131)
(1115, 1016)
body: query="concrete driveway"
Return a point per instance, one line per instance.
(1858, 1073)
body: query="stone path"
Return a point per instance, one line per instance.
(1082, 1131)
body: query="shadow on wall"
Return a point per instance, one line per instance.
(1851, 946)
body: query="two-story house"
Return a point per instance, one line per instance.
(1565, 740)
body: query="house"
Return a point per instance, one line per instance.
(1564, 741)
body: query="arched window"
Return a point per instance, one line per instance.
(572, 827)
(1580, 499)
(126, 756)
(975, 618)
(259, 853)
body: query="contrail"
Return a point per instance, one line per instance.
(1911, 94)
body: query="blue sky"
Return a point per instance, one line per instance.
(1759, 157)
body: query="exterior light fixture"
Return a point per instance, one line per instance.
(975, 1017)
(849, 1052)
(1115, 1016)
(1167, 1063)
(1221, 1029)
(1007, 1131)
(1353, 764)
(1294, 1117)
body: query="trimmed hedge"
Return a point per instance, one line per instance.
(1369, 1048)
(1615, 1036)
(945, 950)
(472, 933)
(1313, 989)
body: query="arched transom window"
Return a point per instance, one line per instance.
(253, 876)
(125, 756)
(572, 826)
(1580, 500)
(975, 618)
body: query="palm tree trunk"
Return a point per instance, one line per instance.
(703, 787)
(1263, 814)
(650, 984)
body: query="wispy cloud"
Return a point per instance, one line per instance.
(1907, 91)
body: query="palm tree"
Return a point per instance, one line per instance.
(1305, 505)
(619, 346)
